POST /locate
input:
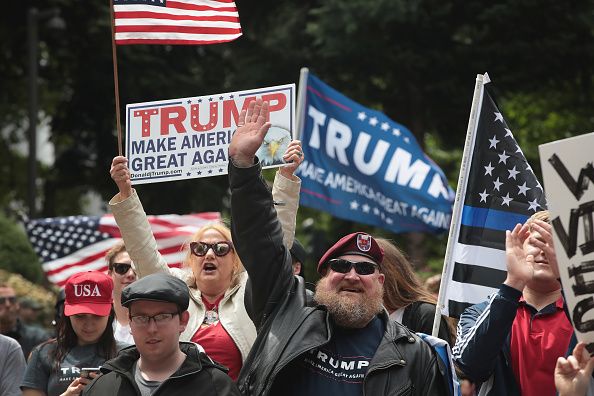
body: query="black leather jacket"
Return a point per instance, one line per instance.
(288, 325)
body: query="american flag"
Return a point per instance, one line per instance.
(67, 245)
(500, 191)
(175, 21)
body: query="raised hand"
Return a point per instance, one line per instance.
(121, 176)
(293, 157)
(572, 375)
(519, 266)
(251, 129)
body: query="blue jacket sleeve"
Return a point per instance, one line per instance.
(482, 332)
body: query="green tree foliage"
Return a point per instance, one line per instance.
(16, 254)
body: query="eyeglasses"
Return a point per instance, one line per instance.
(11, 300)
(159, 319)
(122, 268)
(344, 266)
(220, 248)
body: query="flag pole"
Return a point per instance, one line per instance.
(460, 193)
(114, 57)
(301, 95)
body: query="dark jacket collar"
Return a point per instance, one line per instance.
(125, 360)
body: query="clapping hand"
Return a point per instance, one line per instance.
(572, 375)
(519, 266)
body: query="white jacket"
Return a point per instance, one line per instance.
(142, 248)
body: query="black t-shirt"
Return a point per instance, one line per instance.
(40, 373)
(337, 368)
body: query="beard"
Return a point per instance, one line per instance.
(351, 311)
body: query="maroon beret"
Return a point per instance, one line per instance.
(358, 243)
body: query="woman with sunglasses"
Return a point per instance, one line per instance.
(123, 273)
(218, 319)
(84, 339)
(405, 297)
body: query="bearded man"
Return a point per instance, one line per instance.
(342, 342)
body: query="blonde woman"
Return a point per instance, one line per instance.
(212, 269)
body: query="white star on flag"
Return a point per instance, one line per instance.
(497, 184)
(503, 157)
(513, 172)
(506, 200)
(508, 133)
(498, 117)
(396, 132)
(385, 126)
(376, 211)
(523, 189)
(533, 205)
(489, 169)
(361, 116)
(354, 205)
(373, 121)
(484, 196)
(366, 208)
(493, 142)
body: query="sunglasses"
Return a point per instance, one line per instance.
(344, 266)
(11, 300)
(122, 268)
(220, 248)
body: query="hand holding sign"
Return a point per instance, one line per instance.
(519, 267)
(293, 157)
(121, 176)
(251, 129)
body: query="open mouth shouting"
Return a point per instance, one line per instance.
(209, 268)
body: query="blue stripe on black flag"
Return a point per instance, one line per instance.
(491, 218)
(486, 227)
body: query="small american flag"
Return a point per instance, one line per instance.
(501, 190)
(175, 21)
(67, 245)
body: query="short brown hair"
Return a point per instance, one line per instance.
(113, 252)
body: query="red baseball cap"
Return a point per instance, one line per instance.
(88, 293)
(358, 243)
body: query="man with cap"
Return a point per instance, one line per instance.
(159, 364)
(340, 343)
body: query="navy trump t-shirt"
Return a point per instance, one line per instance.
(337, 368)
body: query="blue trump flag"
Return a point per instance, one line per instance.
(362, 166)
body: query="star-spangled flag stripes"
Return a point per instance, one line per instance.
(67, 245)
(175, 21)
(501, 190)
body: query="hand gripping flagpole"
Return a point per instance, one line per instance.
(114, 57)
(460, 193)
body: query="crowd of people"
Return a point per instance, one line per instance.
(238, 319)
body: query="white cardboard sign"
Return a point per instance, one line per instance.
(568, 171)
(188, 138)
